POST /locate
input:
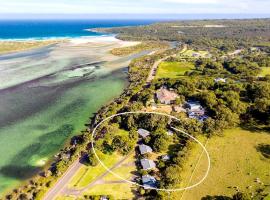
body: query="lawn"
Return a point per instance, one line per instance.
(235, 162)
(173, 69)
(265, 71)
(66, 198)
(120, 132)
(125, 170)
(118, 191)
(87, 173)
(189, 53)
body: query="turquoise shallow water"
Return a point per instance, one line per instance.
(41, 109)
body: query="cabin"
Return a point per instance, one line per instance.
(144, 149)
(149, 182)
(143, 133)
(148, 164)
(166, 96)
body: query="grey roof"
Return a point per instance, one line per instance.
(149, 181)
(145, 149)
(147, 164)
(144, 133)
(193, 105)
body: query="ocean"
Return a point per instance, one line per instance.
(55, 29)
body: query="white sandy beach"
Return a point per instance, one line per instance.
(102, 40)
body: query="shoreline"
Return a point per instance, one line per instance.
(15, 45)
(53, 38)
(99, 42)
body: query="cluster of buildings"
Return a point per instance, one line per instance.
(147, 164)
(193, 109)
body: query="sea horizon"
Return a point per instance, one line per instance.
(25, 30)
(59, 27)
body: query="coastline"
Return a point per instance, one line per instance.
(96, 43)
(8, 46)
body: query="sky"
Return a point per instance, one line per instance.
(137, 7)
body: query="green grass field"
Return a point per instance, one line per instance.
(235, 162)
(67, 198)
(173, 69)
(87, 173)
(265, 71)
(121, 190)
(190, 52)
(118, 191)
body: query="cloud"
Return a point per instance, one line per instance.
(192, 1)
(135, 7)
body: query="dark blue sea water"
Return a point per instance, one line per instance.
(45, 29)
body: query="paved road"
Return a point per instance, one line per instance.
(63, 181)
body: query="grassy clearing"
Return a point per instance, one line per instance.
(120, 132)
(126, 170)
(124, 51)
(7, 47)
(265, 71)
(87, 173)
(66, 198)
(235, 162)
(190, 53)
(173, 69)
(118, 191)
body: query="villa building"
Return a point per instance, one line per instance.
(148, 164)
(166, 96)
(144, 149)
